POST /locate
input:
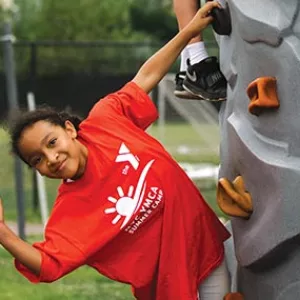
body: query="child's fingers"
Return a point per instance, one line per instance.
(207, 20)
(206, 9)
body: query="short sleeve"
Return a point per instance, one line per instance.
(130, 102)
(73, 234)
(59, 257)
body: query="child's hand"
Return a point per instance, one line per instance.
(1, 212)
(202, 18)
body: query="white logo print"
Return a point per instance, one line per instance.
(126, 155)
(192, 76)
(128, 204)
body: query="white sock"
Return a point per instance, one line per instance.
(183, 58)
(197, 52)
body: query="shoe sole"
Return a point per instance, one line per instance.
(186, 95)
(201, 93)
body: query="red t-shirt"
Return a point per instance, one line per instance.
(134, 215)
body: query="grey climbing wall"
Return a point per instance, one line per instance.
(264, 148)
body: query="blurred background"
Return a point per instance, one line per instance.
(68, 54)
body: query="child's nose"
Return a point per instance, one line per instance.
(52, 158)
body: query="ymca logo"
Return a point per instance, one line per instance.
(127, 204)
(126, 155)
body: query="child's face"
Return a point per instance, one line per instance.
(53, 151)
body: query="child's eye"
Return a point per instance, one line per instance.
(36, 161)
(52, 142)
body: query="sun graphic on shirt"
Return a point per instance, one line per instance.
(125, 205)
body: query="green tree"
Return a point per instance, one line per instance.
(69, 20)
(154, 18)
(73, 20)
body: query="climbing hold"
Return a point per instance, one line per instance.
(234, 296)
(262, 93)
(222, 20)
(233, 199)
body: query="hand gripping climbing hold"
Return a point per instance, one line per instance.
(222, 20)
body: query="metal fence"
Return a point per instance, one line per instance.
(75, 74)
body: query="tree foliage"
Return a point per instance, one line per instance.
(73, 20)
(158, 22)
(69, 20)
(91, 20)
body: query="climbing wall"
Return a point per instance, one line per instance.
(260, 145)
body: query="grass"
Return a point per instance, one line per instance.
(83, 284)
(175, 136)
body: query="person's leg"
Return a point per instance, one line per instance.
(185, 10)
(204, 80)
(216, 285)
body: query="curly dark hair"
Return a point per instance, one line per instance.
(24, 119)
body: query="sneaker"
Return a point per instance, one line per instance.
(205, 80)
(179, 91)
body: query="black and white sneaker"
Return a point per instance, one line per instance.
(205, 80)
(179, 91)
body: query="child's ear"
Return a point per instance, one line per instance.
(71, 130)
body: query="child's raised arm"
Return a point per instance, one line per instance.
(19, 249)
(159, 64)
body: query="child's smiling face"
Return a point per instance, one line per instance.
(52, 150)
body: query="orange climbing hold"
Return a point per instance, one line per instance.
(262, 93)
(233, 199)
(234, 296)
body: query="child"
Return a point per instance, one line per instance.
(125, 207)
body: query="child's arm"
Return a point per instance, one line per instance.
(158, 65)
(21, 250)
